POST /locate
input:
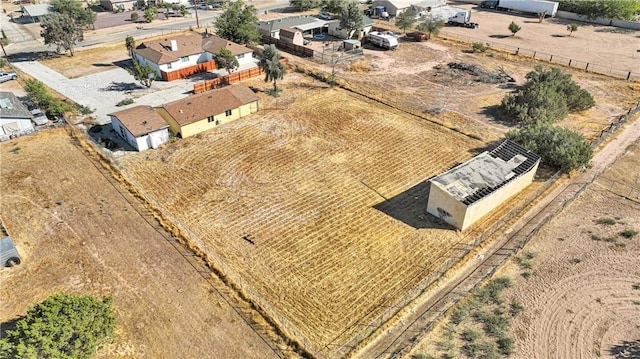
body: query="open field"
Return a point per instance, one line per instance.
(581, 298)
(78, 234)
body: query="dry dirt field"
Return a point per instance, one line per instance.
(78, 235)
(583, 298)
(328, 187)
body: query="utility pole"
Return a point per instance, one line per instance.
(3, 50)
(197, 20)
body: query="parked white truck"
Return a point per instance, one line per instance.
(462, 18)
(382, 40)
(525, 6)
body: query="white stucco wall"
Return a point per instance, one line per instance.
(24, 126)
(141, 143)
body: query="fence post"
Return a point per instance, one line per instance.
(534, 54)
(628, 75)
(551, 58)
(569, 62)
(517, 51)
(586, 68)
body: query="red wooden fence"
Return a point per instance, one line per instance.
(188, 71)
(229, 79)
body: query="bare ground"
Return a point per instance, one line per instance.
(79, 235)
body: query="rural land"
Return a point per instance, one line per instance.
(301, 230)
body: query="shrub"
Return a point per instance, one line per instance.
(470, 335)
(422, 356)
(558, 147)
(516, 308)
(629, 233)
(513, 27)
(126, 101)
(134, 16)
(460, 315)
(505, 345)
(526, 275)
(606, 221)
(494, 324)
(478, 47)
(492, 291)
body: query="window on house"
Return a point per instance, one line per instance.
(210, 119)
(185, 59)
(169, 66)
(240, 56)
(227, 112)
(122, 132)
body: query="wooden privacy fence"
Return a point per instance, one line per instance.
(188, 71)
(230, 78)
(289, 47)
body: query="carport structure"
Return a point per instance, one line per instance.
(35, 12)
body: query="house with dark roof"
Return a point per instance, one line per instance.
(469, 191)
(15, 117)
(37, 11)
(305, 23)
(141, 126)
(184, 55)
(210, 109)
(334, 29)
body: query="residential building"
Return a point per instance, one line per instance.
(208, 110)
(37, 11)
(334, 29)
(397, 7)
(469, 191)
(119, 5)
(15, 117)
(141, 126)
(309, 25)
(184, 55)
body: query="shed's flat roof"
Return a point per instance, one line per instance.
(487, 172)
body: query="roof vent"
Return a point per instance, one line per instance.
(174, 45)
(181, 111)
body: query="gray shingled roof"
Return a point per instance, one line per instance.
(11, 107)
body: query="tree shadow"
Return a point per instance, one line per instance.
(33, 56)
(626, 350)
(558, 35)
(498, 36)
(122, 87)
(102, 65)
(410, 207)
(125, 64)
(107, 137)
(8, 325)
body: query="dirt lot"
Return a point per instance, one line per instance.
(582, 298)
(77, 234)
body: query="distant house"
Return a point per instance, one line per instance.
(184, 55)
(15, 117)
(292, 36)
(119, 5)
(141, 126)
(397, 7)
(466, 193)
(37, 11)
(307, 24)
(335, 30)
(207, 110)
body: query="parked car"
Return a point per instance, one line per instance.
(417, 36)
(9, 256)
(39, 118)
(7, 76)
(325, 16)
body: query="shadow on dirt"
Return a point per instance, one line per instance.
(122, 87)
(626, 349)
(410, 207)
(106, 136)
(499, 36)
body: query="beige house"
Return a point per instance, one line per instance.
(469, 191)
(207, 110)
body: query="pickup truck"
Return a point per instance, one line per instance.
(417, 36)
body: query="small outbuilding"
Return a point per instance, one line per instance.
(469, 191)
(37, 11)
(141, 126)
(292, 36)
(351, 44)
(15, 117)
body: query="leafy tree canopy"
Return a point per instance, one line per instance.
(431, 25)
(61, 30)
(225, 60)
(513, 27)
(558, 147)
(351, 17)
(145, 74)
(611, 9)
(236, 23)
(549, 95)
(270, 63)
(74, 9)
(406, 20)
(61, 327)
(304, 5)
(332, 6)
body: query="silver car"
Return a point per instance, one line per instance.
(9, 256)
(7, 76)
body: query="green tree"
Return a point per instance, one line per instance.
(225, 60)
(611, 9)
(558, 147)
(150, 14)
(236, 23)
(39, 94)
(332, 6)
(61, 327)
(183, 10)
(572, 27)
(145, 74)
(303, 5)
(549, 95)
(351, 18)
(431, 25)
(513, 27)
(130, 43)
(406, 20)
(270, 63)
(84, 17)
(135, 16)
(61, 30)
